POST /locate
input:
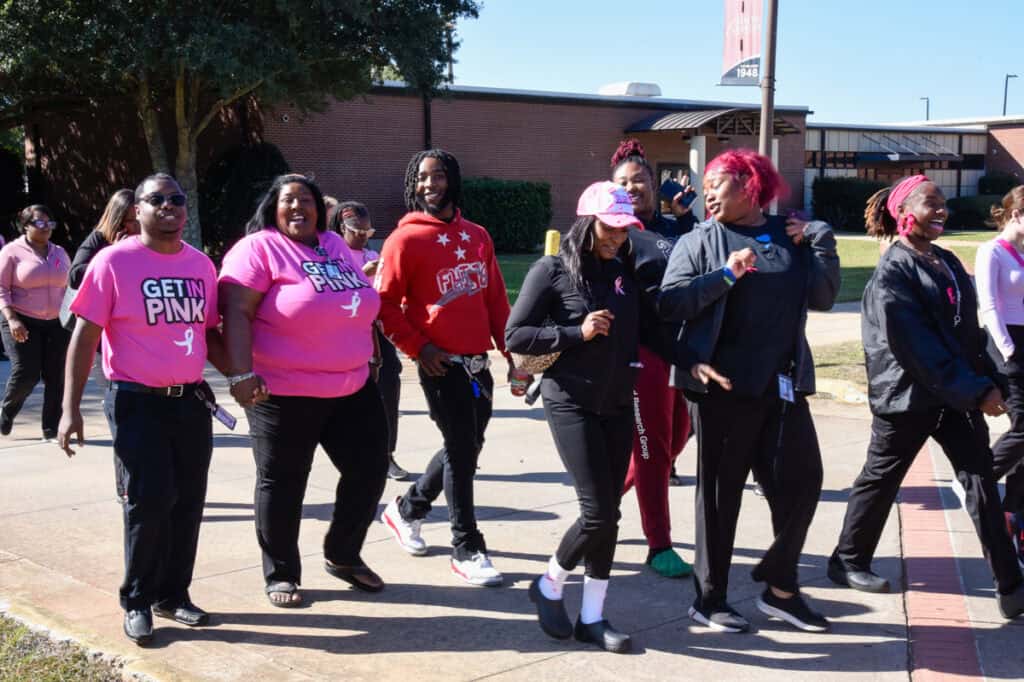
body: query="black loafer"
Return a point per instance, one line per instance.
(1012, 605)
(138, 626)
(550, 613)
(865, 581)
(185, 613)
(603, 635)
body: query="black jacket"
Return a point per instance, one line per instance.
(648, 259)
(596, 375)
(916, 359)
(694, 292)
(92, 245)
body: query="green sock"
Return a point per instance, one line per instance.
(669, 564)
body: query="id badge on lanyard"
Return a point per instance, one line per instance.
(786, 388)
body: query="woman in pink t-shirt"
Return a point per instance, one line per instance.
(298, 324)
(351, 220)
(33, 276)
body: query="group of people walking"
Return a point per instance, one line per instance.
(645, 328)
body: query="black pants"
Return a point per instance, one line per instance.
(777, 440)
(595, 450)
(390, 385)
(40, 357)
(164, 447)
(461, 413)
(285, 431)
(1008, 452)
(895, 442)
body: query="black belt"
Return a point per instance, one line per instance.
(175, 391)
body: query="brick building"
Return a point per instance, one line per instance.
(359, 149)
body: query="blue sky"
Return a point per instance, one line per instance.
(859, 61)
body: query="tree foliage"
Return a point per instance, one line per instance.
(186, 60)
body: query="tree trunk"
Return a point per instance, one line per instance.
(151, 127)
(185, 106)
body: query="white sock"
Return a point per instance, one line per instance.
(592, 609)
(551, 583)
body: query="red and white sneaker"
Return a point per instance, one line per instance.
(407, 533)
(477, 570)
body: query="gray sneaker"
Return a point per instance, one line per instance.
(395, 472)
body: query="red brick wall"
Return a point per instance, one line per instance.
(359, 149)
(1006, 151)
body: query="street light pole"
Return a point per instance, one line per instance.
(1006, 87)
(927, 108)
(764, 145)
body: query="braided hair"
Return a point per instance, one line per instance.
(631, 151)
(451, 170)
(879, 222)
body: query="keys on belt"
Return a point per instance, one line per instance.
(473, 365)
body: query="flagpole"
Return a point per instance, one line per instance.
(768, 81)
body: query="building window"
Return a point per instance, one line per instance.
(673, 171)
(812, 159)
(840, 159)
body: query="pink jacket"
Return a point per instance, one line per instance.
(33, 286)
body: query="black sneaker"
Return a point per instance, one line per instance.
(138, 626)
(1012, 605)
(794, 610)
(395, 472)
(721, 617)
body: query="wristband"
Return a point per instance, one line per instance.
(728, 275)
(239, 378)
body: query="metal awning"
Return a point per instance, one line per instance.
(725, 122)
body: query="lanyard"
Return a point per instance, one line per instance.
(956, 318)
(1013, 252)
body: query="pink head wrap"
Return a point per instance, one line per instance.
(899, 194)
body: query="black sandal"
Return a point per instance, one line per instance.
(284, 587)
(361, 577)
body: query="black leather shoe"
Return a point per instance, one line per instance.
(865, 581)
(185, 613)
(603, 635)
(6, 424)
(138, 626)
(550, 613)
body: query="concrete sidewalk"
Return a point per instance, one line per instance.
(61, 563)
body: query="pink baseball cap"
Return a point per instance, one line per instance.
(608, 202)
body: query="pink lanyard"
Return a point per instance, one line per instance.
(1013, 252)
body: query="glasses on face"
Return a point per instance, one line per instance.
(368, 232)
(158, 200)
(41, 224)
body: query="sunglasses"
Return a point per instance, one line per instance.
(158, 200)
(368, 232)
(43, 224)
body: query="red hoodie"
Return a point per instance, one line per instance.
(439, 283)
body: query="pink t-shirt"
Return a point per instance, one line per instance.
(363, 256)
(312, 335)
(154, 309)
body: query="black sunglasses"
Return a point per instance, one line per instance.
(158, 200)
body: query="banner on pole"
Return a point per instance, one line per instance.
(741, 55)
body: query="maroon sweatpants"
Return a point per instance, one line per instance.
(661, 425)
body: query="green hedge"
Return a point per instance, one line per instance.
(515, 212)
(971, 213)
(840, 201)
(230, 190)
(996, 183)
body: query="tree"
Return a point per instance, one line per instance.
(190, 59)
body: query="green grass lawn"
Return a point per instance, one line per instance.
(970, 235)
(857, 258)
(513, 269)
(26, 655)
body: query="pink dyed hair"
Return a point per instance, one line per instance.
(761, 182)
